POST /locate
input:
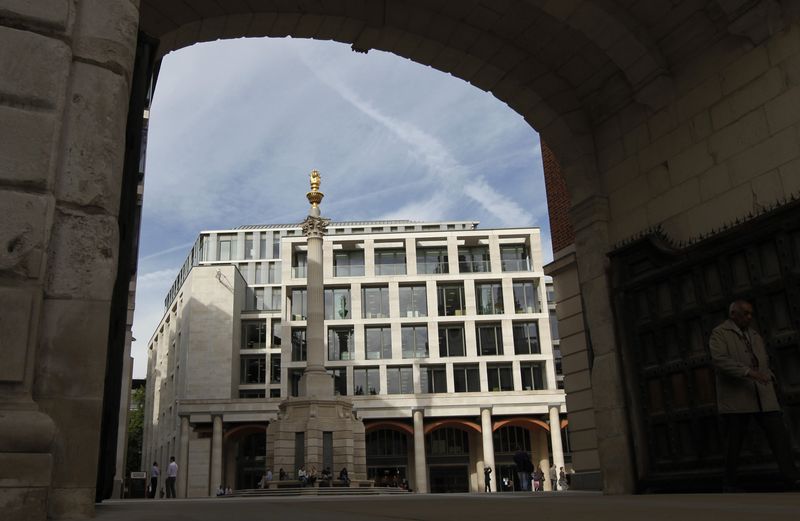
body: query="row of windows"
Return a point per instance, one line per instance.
(414, 341)
(476, 259)
(413, 300)
(400, 379)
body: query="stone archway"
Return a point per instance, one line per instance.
(682, 116)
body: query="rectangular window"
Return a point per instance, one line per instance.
(514, 258)
(489, 298)
(244, 269)
(339, 376)
(500, 377)
(337, 303)
(299, 348)
(294, 381)
(299, 450)
(274, 393)
(366, 380)
(466, 379)
(474, 259)
(249, 247)
(262, 245)
(259, 279)
(526, 298)
(299, 304)
(532, 376)
(432, 260)
(254, 334)
(276, 332)
(340, 343)
(433, 379)
(274, 302)
(252, 393)
(378, 341)
(276, 245)
(390, 262)
(273, 273)
(299, 265)
(414, 340)
(451, 299)
(451, 340)
(375, 302)
(258, 299)
(275, 369)
(348, 263)
(399, 380)
(553, 326)
(253, 370)
(490, 339)
(413, 301)
(526, 338)
(226, 247)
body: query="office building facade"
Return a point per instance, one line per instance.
(439, 333)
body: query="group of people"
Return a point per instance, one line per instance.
(307, 477)
(530, 478)
(172, 476)
(222, 491)
(391, 479)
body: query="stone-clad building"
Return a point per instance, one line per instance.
(438, 332)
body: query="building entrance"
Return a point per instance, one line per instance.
(251, 458)
(449, 479)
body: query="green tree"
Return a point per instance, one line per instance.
(135, 431)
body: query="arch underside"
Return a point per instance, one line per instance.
(564, 66)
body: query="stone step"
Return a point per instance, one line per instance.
(319, 491)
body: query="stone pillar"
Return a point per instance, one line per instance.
(555, 438)
(420, 466)
(315, 380)
(488, 447)
(544, 457)
(216, 455)
(183, 468)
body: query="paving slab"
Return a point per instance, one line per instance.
(571, 506)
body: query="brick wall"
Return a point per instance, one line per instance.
(558, 203)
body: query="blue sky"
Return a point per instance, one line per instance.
(237, 125)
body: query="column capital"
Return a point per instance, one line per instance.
(489, 408)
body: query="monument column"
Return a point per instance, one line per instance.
(420, 466)
(216, 455)
(183, 462)
(555, 439)
(315, 380)
(488, 446)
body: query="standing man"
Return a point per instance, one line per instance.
(154, 472)
(745, 391)
(554, 477)
(172, 476)
(487, 479)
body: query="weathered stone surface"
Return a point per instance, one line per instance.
(35, 67)
(22, 235)
(75, 445)
(28, 149)
(72, 330)
(23, 469)
(82, 256)
(106, 31)
(95, 139)
(15, 321)
(23, 503)
(52, 13)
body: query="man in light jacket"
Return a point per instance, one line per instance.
(746, 390)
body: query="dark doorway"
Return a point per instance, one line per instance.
(449, 479)
(251, 460)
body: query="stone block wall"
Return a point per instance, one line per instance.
(61, 155)
(725, 146)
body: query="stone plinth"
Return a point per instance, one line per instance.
(314, 416)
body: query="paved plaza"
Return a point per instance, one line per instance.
(465, 507)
